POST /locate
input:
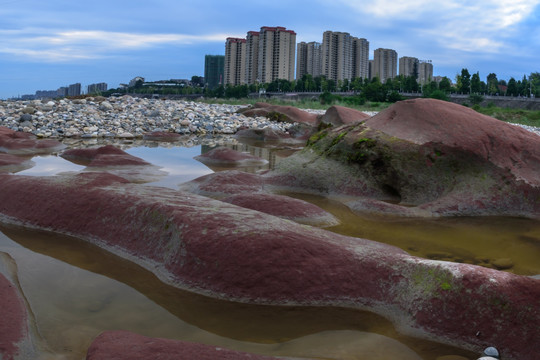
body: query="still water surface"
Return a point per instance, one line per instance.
(76, 290)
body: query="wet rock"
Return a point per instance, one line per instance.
(428, 158)
(16, 340)
(25, 118)
(224, 183)
(284, 207)
(503, 263)
(21, 143)
(123, 345)
(238, 254)
(12, 163)
(224, 156)
(114, 161)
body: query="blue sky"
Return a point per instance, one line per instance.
(48, 44)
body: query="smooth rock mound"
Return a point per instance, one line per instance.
(281, 113)
(115, 161)
(340, 115)
(421, 157)
(284, 207)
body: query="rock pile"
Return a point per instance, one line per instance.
(125, 117)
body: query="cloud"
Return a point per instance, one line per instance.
(72, 45)
(472, 26)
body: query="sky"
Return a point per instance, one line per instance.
(48, 44)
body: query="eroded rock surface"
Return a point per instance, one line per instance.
(12, 163)
(21, 143)
(422, 157)
(123, 345)
(281, 113)
(229, 252)
(15, 336)
(340, 115)
(284, 207)
(115, 161)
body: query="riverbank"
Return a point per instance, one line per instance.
(128, 117)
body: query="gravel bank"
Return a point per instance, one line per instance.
(125, 117)
(128, 117)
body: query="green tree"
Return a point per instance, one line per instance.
(512, 87)
(475, 83)
(492, 84)
(464, 82)
(445, 85)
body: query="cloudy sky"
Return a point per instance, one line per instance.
(48, 44)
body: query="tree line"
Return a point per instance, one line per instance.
(361, 89)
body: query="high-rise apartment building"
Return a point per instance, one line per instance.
(277, 50)
(336, 55)
(308, 59)
(344, 56)
(425, 72)
(385, 63)
(360, 53)
(408, 66)
(213, 70)
(252, 57)
(96, 88)
(234, 70)
(74, 89)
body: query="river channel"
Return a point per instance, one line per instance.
(76, 290)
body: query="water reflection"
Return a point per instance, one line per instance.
(77, 290)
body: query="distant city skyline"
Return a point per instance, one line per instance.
(47, 45)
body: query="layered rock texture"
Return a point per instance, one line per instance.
(122, 345)
(19, 143)
(422, 157)
(233, 253)
(16, 340)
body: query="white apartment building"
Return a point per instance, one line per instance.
(277, 53)
(234, 71)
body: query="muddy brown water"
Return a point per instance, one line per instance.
(76, 290)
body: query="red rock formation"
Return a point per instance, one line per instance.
(107, 155)
(12, 163)
(224, 156)
(282, 113)
(340, 115)
(123, 345)
(13, 328)
(238, 254)
(19, 143)
(224, 183)
(428, 158)
(284, 207)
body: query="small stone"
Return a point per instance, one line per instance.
(25, 117)
(503, 263)
(29, 110)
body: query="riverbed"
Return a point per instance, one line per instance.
(76, 290)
